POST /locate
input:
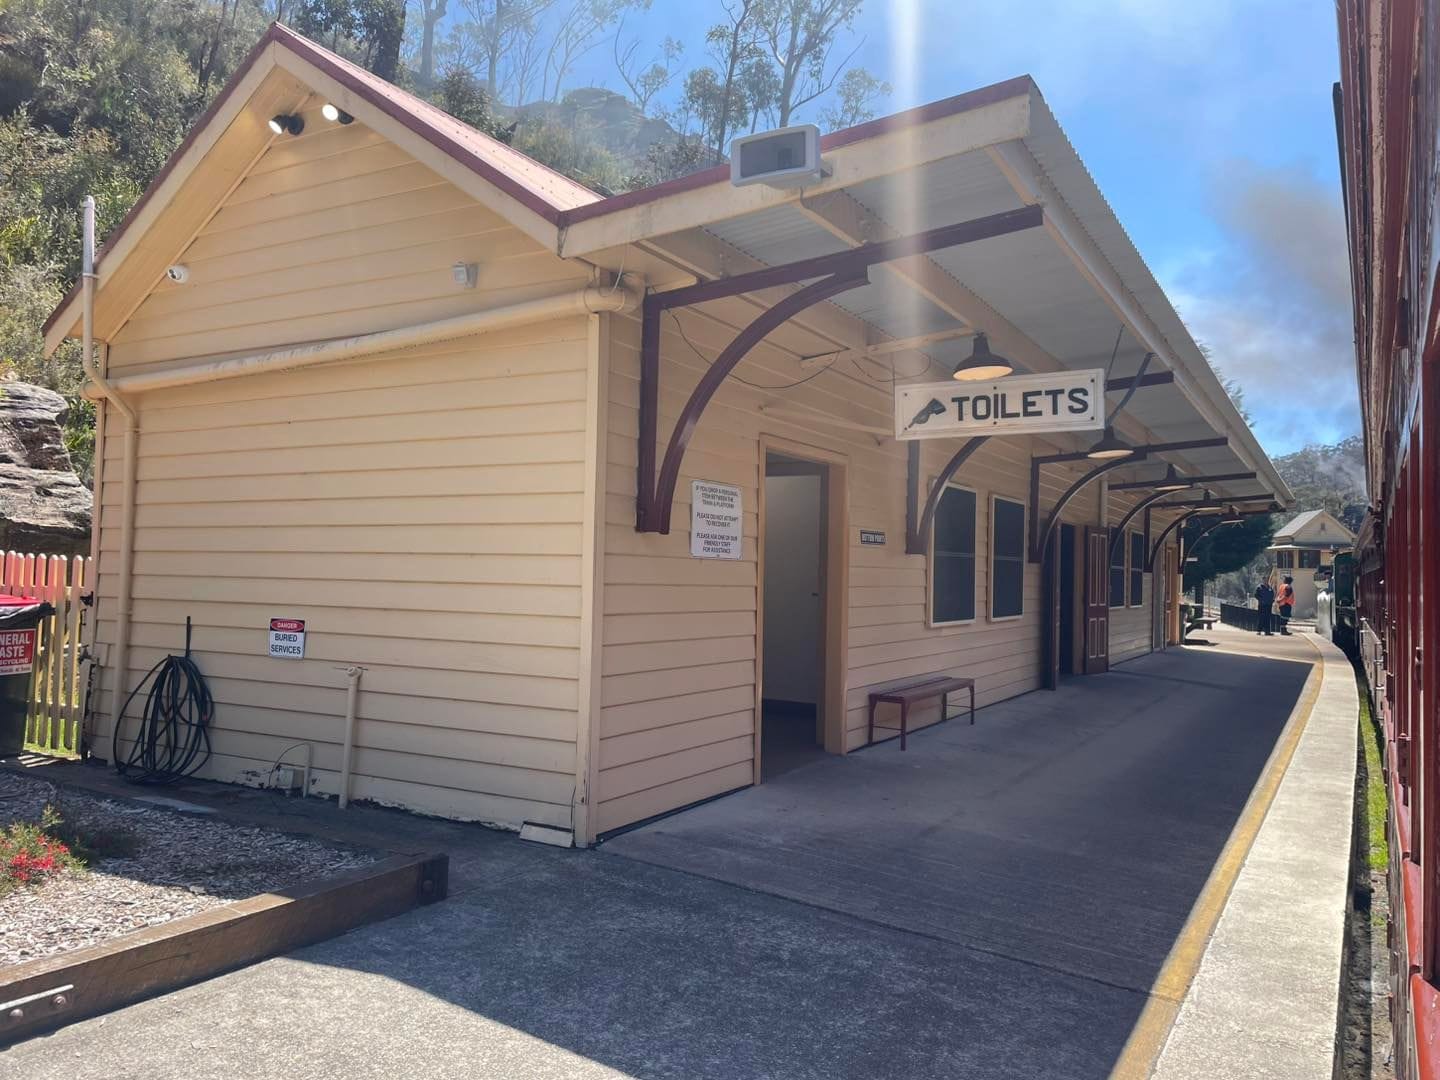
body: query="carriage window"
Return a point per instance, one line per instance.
(1137, 569)
(952, 559)
(1007, 558)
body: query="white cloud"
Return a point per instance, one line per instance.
(1274, 305)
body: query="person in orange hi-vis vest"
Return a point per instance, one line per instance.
(1286, 601)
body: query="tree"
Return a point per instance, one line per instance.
(644, 80)
(855, 97)
(431, 12)
(495, 28)
(800, 36)
(575, 33)
(733, 44)
(1225, 549)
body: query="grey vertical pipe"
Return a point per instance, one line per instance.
(121, 659)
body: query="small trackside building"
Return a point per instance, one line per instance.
(605, 495)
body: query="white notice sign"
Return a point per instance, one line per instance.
(715, 520)
(1029, 404)
(287, 639)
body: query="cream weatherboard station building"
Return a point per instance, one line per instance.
(367, 370)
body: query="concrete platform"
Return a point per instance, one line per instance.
(997, 902)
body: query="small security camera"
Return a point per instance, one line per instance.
(178, 274)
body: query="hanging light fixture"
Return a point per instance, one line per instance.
(1171, 481)
(1232, 516)
(286, 124)
(982, 363)
(1110, 447)
(335, 114)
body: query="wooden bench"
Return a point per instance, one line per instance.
(907, 694)
(1196, 619)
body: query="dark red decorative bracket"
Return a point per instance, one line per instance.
(1040, 535)
(837, 273)
(1150, 500)
(917, 526)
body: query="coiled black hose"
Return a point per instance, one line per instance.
(174, 737)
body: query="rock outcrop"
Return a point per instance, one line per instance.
(44, 507)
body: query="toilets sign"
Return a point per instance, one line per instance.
(1019, 404)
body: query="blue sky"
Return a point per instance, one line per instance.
(1209, 128)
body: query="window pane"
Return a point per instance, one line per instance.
(954, 588)
(1007, 559)
(1009, 529)
(955, 522)
(1117, 574)
(1007, 594)
(953, 558)
(1137, 569)
(1309, 560)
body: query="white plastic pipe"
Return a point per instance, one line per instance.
(352, 697)
(99, 387)
(590, 300)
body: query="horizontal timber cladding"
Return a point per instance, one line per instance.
(332, 234)
(462, 602)
(677, 716)
(1131, 626)
(422, 511)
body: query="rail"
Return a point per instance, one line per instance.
(1237, 615)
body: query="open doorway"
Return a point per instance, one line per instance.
(792, 699)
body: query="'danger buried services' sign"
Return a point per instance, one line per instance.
(1029, 404)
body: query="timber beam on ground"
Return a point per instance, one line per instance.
(837, 273)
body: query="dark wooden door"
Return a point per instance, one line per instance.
(1097, 600)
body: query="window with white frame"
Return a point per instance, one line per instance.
(952, 558)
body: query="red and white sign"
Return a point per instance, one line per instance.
(287, 639)
(17, 651)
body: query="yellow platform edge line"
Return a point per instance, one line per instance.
(1142, 1049)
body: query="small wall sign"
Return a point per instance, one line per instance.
(17, 651)
(715, 520)
(287, 639)
(872, 537)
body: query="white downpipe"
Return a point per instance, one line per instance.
(590, 300)
(352, 697)
(121, 659)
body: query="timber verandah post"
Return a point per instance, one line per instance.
(837, 272)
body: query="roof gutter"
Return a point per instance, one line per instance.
(592, 299)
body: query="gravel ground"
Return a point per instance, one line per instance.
(176, 864)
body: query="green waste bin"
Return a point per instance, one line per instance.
(19, 630)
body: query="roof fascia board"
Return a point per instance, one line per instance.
(890, 151)
(131, 232)
(1201, 388)
(478, 187)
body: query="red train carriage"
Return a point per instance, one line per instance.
(1388, 121)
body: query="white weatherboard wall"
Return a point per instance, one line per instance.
(792, 588)
(421, 511)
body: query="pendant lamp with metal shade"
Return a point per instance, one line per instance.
(982, 363)
(1110, 447)
(1171, 481)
